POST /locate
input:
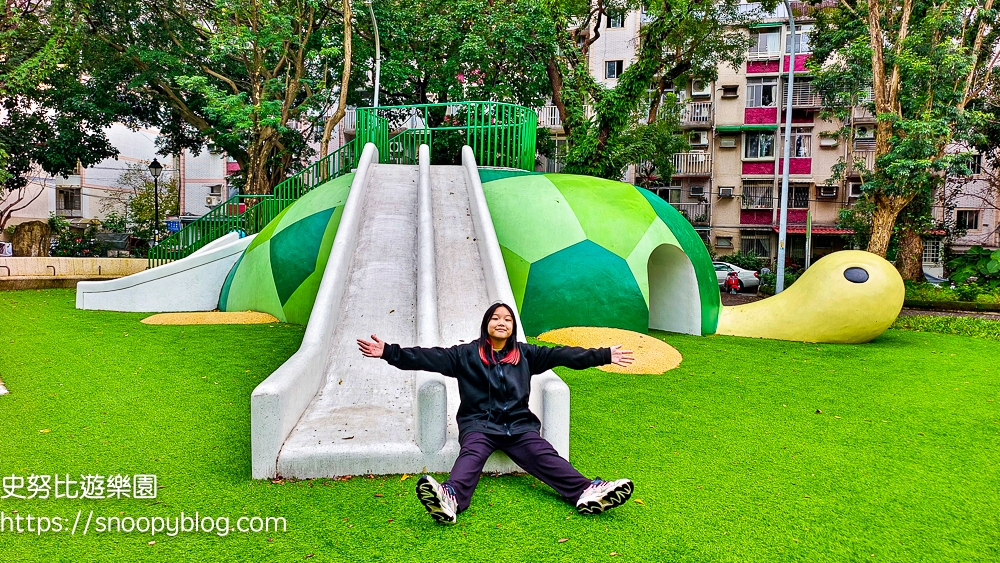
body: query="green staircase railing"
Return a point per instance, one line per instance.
(249, 214)
(500, 134)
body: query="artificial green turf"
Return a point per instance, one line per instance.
(730, 458)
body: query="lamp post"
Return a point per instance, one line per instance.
(378, 52)
(779, 284)
(155, 168)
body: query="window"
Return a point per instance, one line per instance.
(801, 142)
(802, 36)
(760, 92)
(758, 144)
(719, 267)
(724, 242)
(758, 194)
(68, 201)
(758, 245)
(616, 20)
(764, 44)
(730, 91)
(967, 219)
(613, 69)
(975, 164)
(798, 196)
(558, 160)
(932, 252)
(670, 194)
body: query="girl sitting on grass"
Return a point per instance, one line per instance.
(494, 379)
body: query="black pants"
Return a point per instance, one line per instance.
(530, 451)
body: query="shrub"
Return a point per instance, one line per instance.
(978, 265)
(748, 261)
(768, 281)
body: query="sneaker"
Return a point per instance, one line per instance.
(438, 499)
(604, 495)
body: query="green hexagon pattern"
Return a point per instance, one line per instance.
(576, 250)
(280, 271)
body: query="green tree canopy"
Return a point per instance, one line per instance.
(927, 65)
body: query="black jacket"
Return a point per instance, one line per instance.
(494, 397)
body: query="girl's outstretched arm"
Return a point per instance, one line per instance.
(542, 358)
(440, 360)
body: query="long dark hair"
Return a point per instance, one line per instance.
(510, 354)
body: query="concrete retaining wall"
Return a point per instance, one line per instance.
(53, 272)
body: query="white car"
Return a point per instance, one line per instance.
(749, 279)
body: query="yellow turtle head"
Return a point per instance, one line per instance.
(850, 296)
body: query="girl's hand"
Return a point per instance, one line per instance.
(371, 349)
(619, 357)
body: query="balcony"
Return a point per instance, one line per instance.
(861, 160)
(349, 123)
(548, 116)
(697, 114)
(698, 214)
(862, 113)
(692, 164)
(804, 96)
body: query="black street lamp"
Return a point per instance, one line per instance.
(155, 168)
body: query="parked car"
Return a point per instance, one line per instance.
(749, 279)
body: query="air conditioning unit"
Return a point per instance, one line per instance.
(864, 133)
(855, 190)
(725, 191)
(213, 200)
(827, 142)
(827, 191)
(698, 138)
(727, 142)
(697, 191)
(701, 88)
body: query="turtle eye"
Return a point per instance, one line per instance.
(856, 275)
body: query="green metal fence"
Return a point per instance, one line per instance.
(249, 214)
(501, 135)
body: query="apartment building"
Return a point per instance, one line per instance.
(82, 197)
(728, 183)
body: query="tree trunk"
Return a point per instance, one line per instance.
(883, 221)
(555, 79)
(259, 153)
(909, 260)
(338, 115)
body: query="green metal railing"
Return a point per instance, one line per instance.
(249, 214)
(501, 135)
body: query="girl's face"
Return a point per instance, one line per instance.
(500, 324)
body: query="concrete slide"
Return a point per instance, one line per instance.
(190, 284)
(415, 261)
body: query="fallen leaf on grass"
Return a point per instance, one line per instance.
(563, 540)
(613, 554)
(308, 556)
(639, 501)
(151, 543)
(46, 431)
(404, 477)
(378, 495)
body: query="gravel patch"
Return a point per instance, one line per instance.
(652, 355)
(211, 318)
